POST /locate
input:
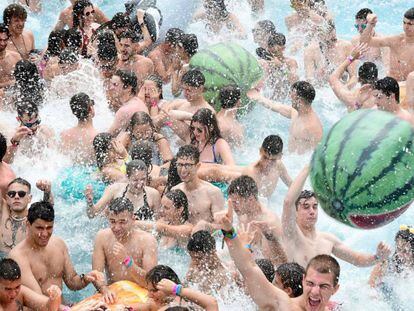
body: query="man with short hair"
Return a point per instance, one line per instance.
(319, 284)
(77, 141)
(13, 214)
(106, 61)
(303, 241)
(289, 278)
(21, 41)
(44, 258)
(129, 60)
(305, 129)
(204, 199)
(125, 252)
(8, 59)
(15, 296)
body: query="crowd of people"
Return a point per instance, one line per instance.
(167, 177)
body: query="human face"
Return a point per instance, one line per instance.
(9, 290)
(404, 251)
(192, 93)
(16, 25)
(317, 289)
(199, 131)
(30, 121)
(307, 212)
(149, 90)
(259, 37)
(408, 26)
(269, 159)
(116, 87)
(240, 204)
(126, 48)
(143, 132)
(4, 39)
(360, 25)
(381, 100)
(168, 210)
(187, 169)
(138, 180)
(155, 294)
(41, 231)
(108, 67)
(120, 224)
(14, 201)
(88, 14)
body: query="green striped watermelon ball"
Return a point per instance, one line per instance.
(225, 64)
(362, 171)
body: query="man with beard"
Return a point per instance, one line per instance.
(13, 211)
(8, 59)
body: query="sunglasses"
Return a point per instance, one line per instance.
(362, 26)
(89, 13)
(12, 194)
(199, 130)
(31, 124)
(408, 228)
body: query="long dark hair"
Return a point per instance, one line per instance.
(179, 200)
(140, 118)
(173, 179)
(407, 236)
(207, 118)
(77, 12)
(101, 145)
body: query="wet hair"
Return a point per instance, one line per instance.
(216, 8)
(229, 96)
(159, 272)
(409, 14)
(277, 39)
(20, 181)
(55, 41)
(3, 146)
(189, 151)
(325, 264)
(272, 145)
(389, 86)
(190, 44)
(68, 56)
(244, 186)
(105, 37)
(101, 144)
(363, 13)
(129, 79)
(27, 107)
(142, 150)
(9, 270)
(368, 73)
(267, 26)
(267, 268)
(119, 20)
(77, 12)
(14, 10)
(26, 72)
(201, 242)
(4, 29)
(107, 51)
(174, 36)
(291, 275)
(80, 105)
(158, 82)
(28, 82)
(207, 118)
(305, 91)
(120, 205)
(305, 194)
(407, 236)
(173, 179)
(179, 200)
(41, 210)
(134, 166)
(194, 78)
(127, 34)
(140, 118)
(73, 38)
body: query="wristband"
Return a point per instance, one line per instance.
(168, 123)
(178, 289)
(232, 234)
(14, 142)
(128, 262)
(154, 103)
(249, 247)
(350, 58)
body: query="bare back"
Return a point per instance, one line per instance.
(78, 142)
(305, 133)
(7, 65)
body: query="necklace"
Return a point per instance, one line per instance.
(18, 219)
(18, 50)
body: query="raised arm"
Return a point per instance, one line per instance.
(282, 109)
(177, 232)
(290, 229)
(95, 209)
(368, 38)
(217, 202)
(284, 175)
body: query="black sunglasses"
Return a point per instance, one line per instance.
(89, 13)
(12, 194)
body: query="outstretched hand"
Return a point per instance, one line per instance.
(359, 50)
(89, 193)
(383, 251)
(246, 234)
(372, 19)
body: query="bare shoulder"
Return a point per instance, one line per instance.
(210, 189)
(151, 191)
(180, 186)
(328, 236)
(103, 234)
(144, 237)
(12, 56)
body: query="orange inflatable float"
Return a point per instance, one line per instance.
(127, 293)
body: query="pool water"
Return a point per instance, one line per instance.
(78, 231)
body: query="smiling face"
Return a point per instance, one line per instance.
(121, 224)
(317, 289)
(187, 169)
(126, 48)
(168, 210)
(16, 25)
(360, 25)
(88, 15)
(18, 197)
(4, 39)
(199, 131)
(40, 231)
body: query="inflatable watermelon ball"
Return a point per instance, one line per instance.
(225, 64)
(362, 171)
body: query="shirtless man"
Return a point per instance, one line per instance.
(306, 129)
(401, 51)
(21, 41)
(301, 239)
(230, 128)
(124, 100)
(6, 173)
(129, 60)
(66, 17)
(44, 259)
(30, 137)
(13, 212)
(387, 98)
(15, 296)
(204, 199)
(323, 56)
(319, 283)
(362, 95)
(8, 59)
(77, 141)
(126, 253)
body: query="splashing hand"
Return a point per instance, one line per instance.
(372, 19)
(383, 251)
(359, 50)
(94, 276)
(89, 193)
(166, 286)
(44, 185)
(119, 250)
(246, 233)
(54, 292)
